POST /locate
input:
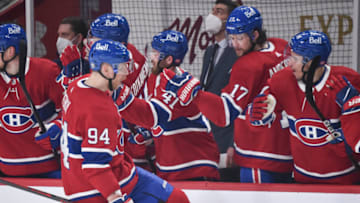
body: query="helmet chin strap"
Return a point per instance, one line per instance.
(111, 88)
(304, 73)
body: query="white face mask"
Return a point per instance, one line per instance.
(212, 24)
(62, 43)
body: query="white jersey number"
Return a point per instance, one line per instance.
(94, 138)
(237, 95)
(64, 146)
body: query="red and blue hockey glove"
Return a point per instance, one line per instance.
(73, 64)
(50, 140)
(261, 110)
(141, 136)
(185, 86)
(343, 88)
(123, 97)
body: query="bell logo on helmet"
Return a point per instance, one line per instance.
(313, 40)
(111, 23)
(104, 47)
(14, 30)
(171, 38)
(249, 12)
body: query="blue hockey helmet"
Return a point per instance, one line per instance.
(111, 26)
(10, 35)
(108, 51)
(310, 44)
(171, 43)
(244, 19)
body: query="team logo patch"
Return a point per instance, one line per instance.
(16, 119)
(311, 132)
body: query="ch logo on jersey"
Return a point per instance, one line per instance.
(16, 119)
(311, 132)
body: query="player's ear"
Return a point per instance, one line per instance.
(256, 35)
(106, 70)
(169, 60)
(9, 53)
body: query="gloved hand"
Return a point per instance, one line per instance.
(185, 86)
(73, 64)
(343, 88)
(141, 136)
(50, 140)
(261, 110)
(123, 97)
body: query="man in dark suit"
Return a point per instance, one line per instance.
(217, 62)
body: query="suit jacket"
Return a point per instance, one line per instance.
(216, 82)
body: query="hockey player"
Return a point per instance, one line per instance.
(115, 27)
(319, 155)
(20, 154)
(184, 146)
(263, 155)
(95, 167)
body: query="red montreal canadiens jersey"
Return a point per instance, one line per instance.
(264, 148)
(93, 160)
(19, 154)
(315, 159)
(137, 83)
(184, 145)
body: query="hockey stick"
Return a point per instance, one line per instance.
(310, 98)
(34, 191)
(22, 62)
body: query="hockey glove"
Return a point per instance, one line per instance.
(343, 88)
(141, 136)
(73, 64)
(50, 140)
(185, 86)
(261, 110)
(123, 97)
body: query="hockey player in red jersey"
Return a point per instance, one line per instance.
(21, 154)
(263, 155)
(115, 27)
(319, 150)
(184, 146)
(95, 167)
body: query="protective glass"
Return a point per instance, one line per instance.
(125, 68)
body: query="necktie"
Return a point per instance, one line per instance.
(211, 64)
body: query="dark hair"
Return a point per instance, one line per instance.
(262, 37)
(78, 25)
(231, 5)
